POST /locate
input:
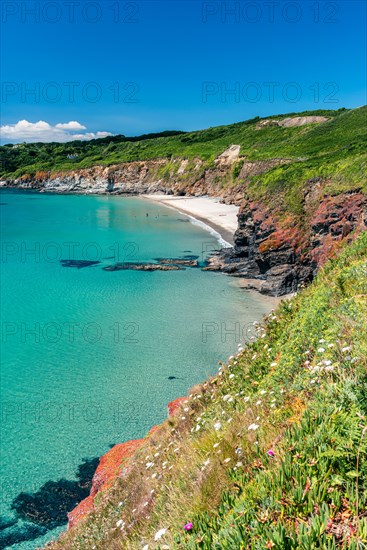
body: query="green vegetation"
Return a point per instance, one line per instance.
(312, 148)
(269, 453)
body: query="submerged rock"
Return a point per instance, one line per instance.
(191, 261)
(18, 533)
(78, 264)
(141, 267)
(48, 507)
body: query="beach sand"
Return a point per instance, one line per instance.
(221, 217)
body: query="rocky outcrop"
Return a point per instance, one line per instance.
(292, 122)
(80, 511)
(113, 464)
(279, 254)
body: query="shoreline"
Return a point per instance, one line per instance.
(220, 217)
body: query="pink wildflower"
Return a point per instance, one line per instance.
(271, 453)
(188, 526)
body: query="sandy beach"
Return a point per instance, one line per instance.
(221, 217)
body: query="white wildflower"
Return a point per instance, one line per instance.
(253, 427)
(217, 426)
(120, 522)
(159, 534)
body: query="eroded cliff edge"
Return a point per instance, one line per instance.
(277, 248)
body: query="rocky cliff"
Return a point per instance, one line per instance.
(275, 250)
(277, 255)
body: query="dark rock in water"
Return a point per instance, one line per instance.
(48, 507)
(174, 378)
(191, 257)
(187, 262)
(20, 533)
(6, 521)
(78, 264)
(183, 220)
(141, 267)
(3, 203)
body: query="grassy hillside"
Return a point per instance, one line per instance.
(337, 146)
(271, 452)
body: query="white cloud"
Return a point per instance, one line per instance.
(42, 131)
(72, 125)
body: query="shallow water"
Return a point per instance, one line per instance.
(90, 357)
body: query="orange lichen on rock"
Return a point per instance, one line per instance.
(110, 467)
(83, 508)
(110, 463)
(175, 405)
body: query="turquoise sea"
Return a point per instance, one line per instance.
(91, 357)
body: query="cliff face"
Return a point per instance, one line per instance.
(277, 251)
(278, 254)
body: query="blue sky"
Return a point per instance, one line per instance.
(146, 66)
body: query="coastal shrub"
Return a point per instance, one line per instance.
(237, 169)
